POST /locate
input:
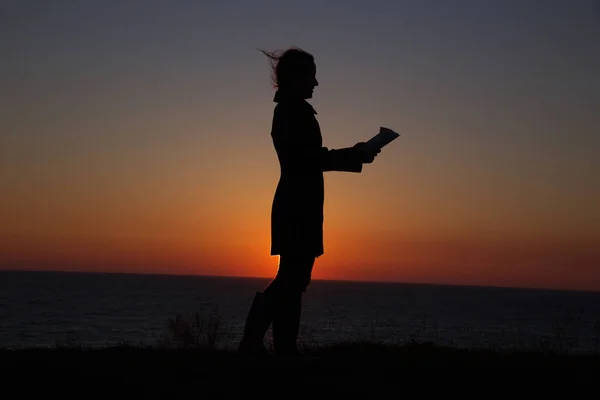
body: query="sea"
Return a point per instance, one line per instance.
(94, 310)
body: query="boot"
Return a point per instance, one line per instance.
(286, 325)
(257, 323)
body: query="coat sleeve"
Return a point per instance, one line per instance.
(297, 152)
(346, 160)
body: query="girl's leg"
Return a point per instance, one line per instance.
(285, 293)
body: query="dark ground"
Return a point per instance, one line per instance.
(355, 369)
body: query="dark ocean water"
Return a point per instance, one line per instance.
(46, 308)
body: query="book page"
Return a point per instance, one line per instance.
(384, 137)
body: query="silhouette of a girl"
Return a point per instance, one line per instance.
(297, 210)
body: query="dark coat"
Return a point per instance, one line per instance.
(297, 211)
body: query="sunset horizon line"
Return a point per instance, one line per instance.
(388, 282)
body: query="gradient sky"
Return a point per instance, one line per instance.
(134, 137)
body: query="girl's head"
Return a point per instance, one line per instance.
(293, 71)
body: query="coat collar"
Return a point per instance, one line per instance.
(283, 97)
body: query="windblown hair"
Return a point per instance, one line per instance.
(288, 65)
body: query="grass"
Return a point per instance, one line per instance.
(357, 355)
(355, 370)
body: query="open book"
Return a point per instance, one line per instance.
(384, 137)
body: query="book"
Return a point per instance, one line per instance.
(383, 138)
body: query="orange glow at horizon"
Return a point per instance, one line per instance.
(348, 257)
(182, 222)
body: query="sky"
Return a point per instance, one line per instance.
(135, 137)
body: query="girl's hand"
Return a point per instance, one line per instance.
(367, 153)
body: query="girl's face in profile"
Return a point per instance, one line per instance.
(308, 83)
